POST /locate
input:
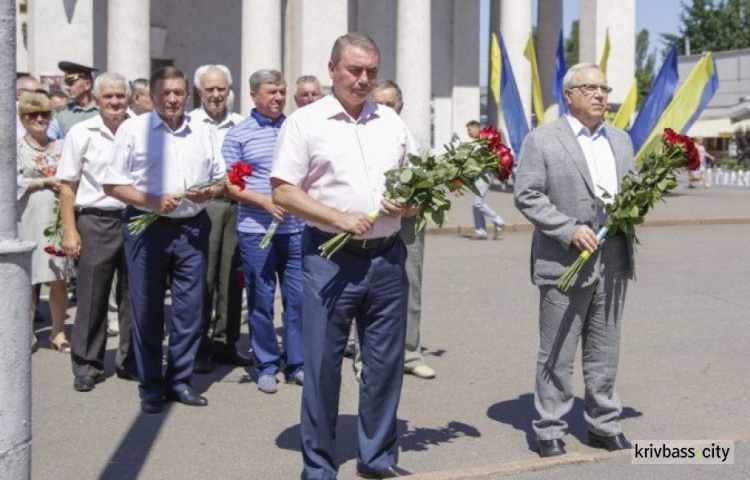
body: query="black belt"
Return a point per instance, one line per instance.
(365, 246)
(120, 213)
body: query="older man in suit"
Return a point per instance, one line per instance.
(568, 170)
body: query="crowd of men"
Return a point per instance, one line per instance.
(315, 173)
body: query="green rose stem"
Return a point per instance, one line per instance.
(140, 223)
(269, 234)
(335, 244)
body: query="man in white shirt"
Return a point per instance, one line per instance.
(158, 161)
(92, 233)
(565, 168)
(220, 333)
(329, 168)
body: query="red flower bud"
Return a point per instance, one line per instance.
(50, 249)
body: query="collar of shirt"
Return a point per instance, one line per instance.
(158, 122)
(203, 116)
(267, 122)
(97, 124)
(334, 109)
(581, 129)
(74, 107)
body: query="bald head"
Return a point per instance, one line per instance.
(27, 83)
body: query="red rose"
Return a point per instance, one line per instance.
(50, 249)
(238, 172)
(670, 136)
(504, 162)
(60, 253)
(490, 134)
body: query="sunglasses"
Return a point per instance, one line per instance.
(44, 115)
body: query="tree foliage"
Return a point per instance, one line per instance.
(644, 65)
(711, 25)
(571, 45)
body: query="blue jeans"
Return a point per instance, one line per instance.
(283, 257)
(374, 289)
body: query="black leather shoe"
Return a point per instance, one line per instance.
(390, 472)
(86, 383)
(231, 356)
(203, 365)
(125, 375)
(617, 442)
(188, 396)
(551, 448)
(152, 406)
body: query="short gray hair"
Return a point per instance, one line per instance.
(356, 39)
(140, 86)
(568, 78)
(204, 68)
(307, 79)
(381, 85)
(110, 78)
(265, 75)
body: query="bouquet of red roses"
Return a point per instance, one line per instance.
(425, 181)
(640, 191)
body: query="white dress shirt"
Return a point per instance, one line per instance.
(220, 128)
(599, 158)
(155, 160)
(341, 161)
(85, 157)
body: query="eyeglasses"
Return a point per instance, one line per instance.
(44, 115)
(589, 89)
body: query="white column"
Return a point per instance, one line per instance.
(465, 64)
(261, 43)
(60, 31)
(413, 66)
(549, 26)
(128, 38)
(515, 26)
(442, 72)
(311, 28)
(619, 17)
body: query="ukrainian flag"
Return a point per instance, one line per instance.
(687, 105)
(510, 101)
(536, 85)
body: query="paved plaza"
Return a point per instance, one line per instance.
(683, 371)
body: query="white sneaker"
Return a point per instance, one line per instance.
(498, 231)
(421, 371)
(479, 235)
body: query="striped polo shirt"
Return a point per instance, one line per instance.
(253, 141)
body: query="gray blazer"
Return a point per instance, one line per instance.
(554, 190)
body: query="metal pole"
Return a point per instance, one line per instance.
(15, 262)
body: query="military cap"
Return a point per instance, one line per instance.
(74, 71)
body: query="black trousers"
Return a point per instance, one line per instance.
(102, 257)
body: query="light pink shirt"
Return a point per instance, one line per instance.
(341, 161)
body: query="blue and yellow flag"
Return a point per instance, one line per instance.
(627, 109)
(659, 96)
(688, 103)
(511, 105)
(560, 68)
(536, 85)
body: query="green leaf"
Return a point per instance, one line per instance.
(406, 175)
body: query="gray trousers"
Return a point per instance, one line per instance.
(593, 314)
(223, 330)
(102, 257)
(414, 243)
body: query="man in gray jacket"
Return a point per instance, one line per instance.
(566, 169)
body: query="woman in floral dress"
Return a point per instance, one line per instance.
(37, 196)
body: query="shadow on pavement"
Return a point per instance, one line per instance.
(417, 439)
(520, 412)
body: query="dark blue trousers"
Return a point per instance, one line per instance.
(374, 289)
(178, 249)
